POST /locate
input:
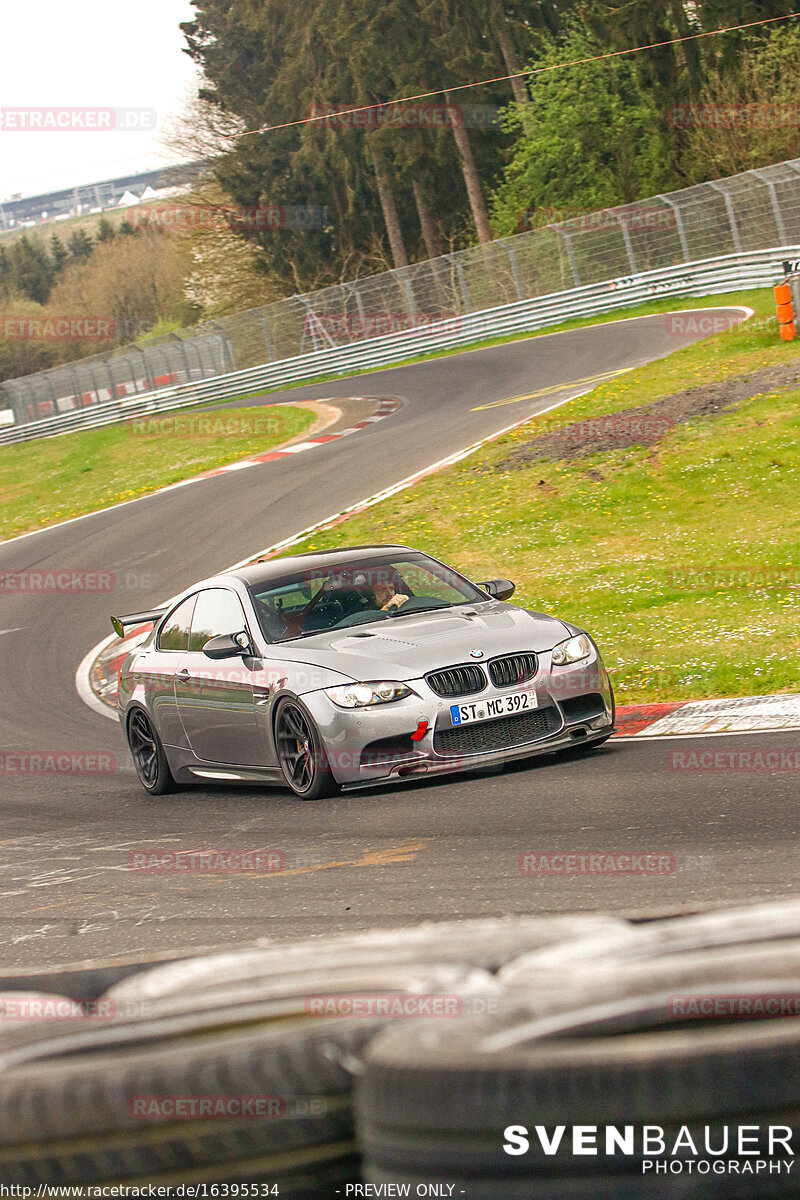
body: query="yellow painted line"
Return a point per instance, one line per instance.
(370, 858)
(553, 389)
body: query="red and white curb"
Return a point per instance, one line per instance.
(384, 407)
(701, 718)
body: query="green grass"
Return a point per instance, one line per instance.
(50, 480)
(682, 559)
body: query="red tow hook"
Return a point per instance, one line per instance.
(419, 733)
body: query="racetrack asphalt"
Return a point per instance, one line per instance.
(392, 856)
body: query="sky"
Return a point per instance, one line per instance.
(89, 55)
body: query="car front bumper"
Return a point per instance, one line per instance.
(387, 743)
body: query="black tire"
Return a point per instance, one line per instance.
(75, 1120)
(433, 1102)
(148, 755)
(76, 1099)
(301, 753)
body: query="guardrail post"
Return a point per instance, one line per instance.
(228, 357)
(626, 237)
(145, 368)
(406, 286)
(267, 337)
(184, 356)
(359, 302)
(92, 366)
(52, 391)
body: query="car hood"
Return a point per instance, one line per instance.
(406, 647)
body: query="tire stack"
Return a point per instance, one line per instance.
(96, 1100)
(651, 1033)
(554, 1022)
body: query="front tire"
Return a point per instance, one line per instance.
(301, 753)
(148, 754)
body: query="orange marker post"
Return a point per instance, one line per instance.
(783, 303)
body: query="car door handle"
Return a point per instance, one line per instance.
(183, 675)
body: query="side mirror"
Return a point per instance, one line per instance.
(227, 645)
(498, 589)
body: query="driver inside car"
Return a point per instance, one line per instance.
(388, 596)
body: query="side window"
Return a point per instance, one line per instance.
(175, 633)
(218, 611)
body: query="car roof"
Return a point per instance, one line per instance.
(276, 568)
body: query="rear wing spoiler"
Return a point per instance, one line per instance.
(120, 624)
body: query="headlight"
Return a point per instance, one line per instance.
(362, 695)
(571, 651)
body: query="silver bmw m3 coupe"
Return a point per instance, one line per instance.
(349, 668)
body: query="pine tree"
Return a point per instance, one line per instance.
(58, 253)
(80, 245)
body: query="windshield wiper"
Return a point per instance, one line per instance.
(297, 637)
(410, 612)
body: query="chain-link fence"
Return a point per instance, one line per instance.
(756, 210)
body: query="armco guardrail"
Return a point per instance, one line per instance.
(758, 268)
(555, 251)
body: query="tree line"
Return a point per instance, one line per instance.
(402, 187)
(388, 185)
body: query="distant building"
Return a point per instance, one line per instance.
(25, 211)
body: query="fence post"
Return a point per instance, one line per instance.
(179, 340)
(679, 226)
(776, 208)
(570, 252)
(512, 258)
(462, 279)
(737, 241)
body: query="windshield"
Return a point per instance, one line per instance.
(357, 593)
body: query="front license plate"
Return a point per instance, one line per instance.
(497, 706)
